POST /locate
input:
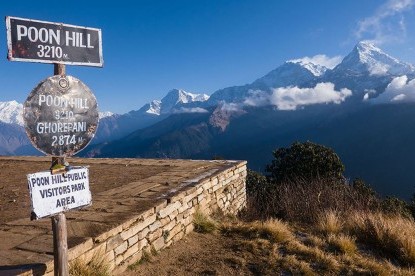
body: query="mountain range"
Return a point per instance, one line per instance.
(363, 107)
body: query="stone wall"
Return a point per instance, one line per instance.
(169, 220)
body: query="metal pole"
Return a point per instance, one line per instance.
(60, 233)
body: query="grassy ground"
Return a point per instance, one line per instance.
(359, 244)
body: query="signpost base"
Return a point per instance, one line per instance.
(60, 245)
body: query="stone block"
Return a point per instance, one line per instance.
(176, 229)
(143, 233)
(170, 226)
(80, 249)
(132, 240)
(179, 217)
(108, 234)
(158, 244)
(156, 225)
(165, 221)
(119, 259)
(128, 233)
(199, 190)
(200, 197)
(97, 252)
(142, 243)
(173, 215)
(189, 212)
(178, 197)
(121, 248)
(153, 236)
(130, 251)
(114, 242)
(169, 209)
(191, 190)
(183, 208)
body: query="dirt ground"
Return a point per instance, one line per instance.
(14, 193)
(201, 254)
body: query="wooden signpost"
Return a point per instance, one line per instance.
(61, 118)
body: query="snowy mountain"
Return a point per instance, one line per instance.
(11, 113)
(365, 72)
(105, 114)
(367, 69)
(367, 58)
(174, 99)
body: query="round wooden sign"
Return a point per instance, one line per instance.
(61, 116)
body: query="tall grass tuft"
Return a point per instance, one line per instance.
(343, 243)
(203, 223)
(394, 236)
(329, 222)
(98, 266)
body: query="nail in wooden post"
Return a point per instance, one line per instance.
(60, 233)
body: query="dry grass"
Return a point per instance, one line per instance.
(273, 230)
(98, 266)
(343, 243)
(296, 267)
(332, 250)
(393, 236)
(203, 223)
(329, 223)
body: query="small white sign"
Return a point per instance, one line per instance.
(55, 193)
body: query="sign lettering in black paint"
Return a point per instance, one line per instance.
(48, 42)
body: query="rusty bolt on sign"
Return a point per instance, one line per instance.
(61, 116)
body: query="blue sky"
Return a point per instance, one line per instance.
(200, 46)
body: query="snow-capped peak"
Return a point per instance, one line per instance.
(105, 114)
(315, 69)
(11, 113)
(154, 107)
(173, 99)
(179, 96)
(366, 57)
(317, 64)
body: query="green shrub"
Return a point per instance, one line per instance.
(256, 183)
(306, 161)
(396, 206)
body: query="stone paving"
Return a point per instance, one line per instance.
(27, 245)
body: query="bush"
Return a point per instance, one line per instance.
(305, 201)
(256, 183)
(306, 161)
(395, 206)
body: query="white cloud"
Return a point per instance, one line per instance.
(257, 98)
(368, 93)
(399, 98)
(190, 110)
(322, 60)
(386, 24)
(230, 107)
(398, 90)
(292, 97)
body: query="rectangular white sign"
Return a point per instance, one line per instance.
(52, 194)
